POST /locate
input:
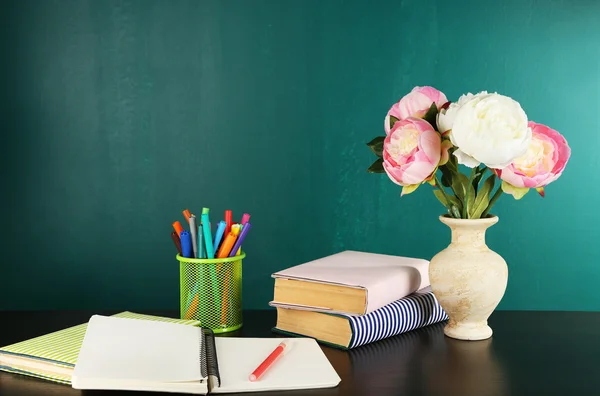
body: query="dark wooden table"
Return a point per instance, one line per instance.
(531, 353)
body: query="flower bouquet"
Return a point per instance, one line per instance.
(426, 139)
(424, 133)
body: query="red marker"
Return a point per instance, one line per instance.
(228, 220)
(268, 362)
(177, 241)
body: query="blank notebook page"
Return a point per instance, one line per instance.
(302, 366)
(139, 350)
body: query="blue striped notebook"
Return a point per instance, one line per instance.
(414, 311)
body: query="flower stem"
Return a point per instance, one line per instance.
(437, 183)
(497, 195)
(482, 171)
(465, 209)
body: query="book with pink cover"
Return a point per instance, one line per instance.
(385, 278)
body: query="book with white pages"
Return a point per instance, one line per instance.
(124, 354)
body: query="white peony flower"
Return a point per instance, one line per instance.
(445, 117)
(488, 128)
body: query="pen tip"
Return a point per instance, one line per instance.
(252, 378)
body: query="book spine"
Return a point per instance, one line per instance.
(409, 313)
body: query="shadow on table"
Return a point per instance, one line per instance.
(421, 362)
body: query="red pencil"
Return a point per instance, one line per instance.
(268, 362)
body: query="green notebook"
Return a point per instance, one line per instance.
(53, 356)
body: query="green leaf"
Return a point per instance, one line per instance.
(409, 189)
(446, 176)
(449, 169)
(517, 192)
(392, 121)
(460, 184)
(453, 206)
(431, 115)
(471, 194)
(377, 166)
(440, 196)
(455, 212)
(376, 145)
(452, 163)
(454, 201)
(477, 178)
(483, 198)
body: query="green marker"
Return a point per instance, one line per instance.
(210, 254)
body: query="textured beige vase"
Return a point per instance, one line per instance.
(468, 278)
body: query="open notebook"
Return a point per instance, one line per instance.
(124, 354)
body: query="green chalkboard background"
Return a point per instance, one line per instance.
(117, 115)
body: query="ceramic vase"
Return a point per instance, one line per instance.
(468, 278)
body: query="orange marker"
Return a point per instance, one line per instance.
(225, 299)
(227, 245)
(178, 228)
(187, 215)
(192, 309)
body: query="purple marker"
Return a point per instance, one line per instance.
(240, 239)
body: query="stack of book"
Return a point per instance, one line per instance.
(355, 298)
(53, 356)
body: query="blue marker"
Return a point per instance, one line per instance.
(219, 235)
(207, 234)
(186, 244)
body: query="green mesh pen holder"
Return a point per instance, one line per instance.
(211, 292)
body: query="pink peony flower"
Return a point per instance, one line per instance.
(412, 152)
(415, 104)
(542, 164)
